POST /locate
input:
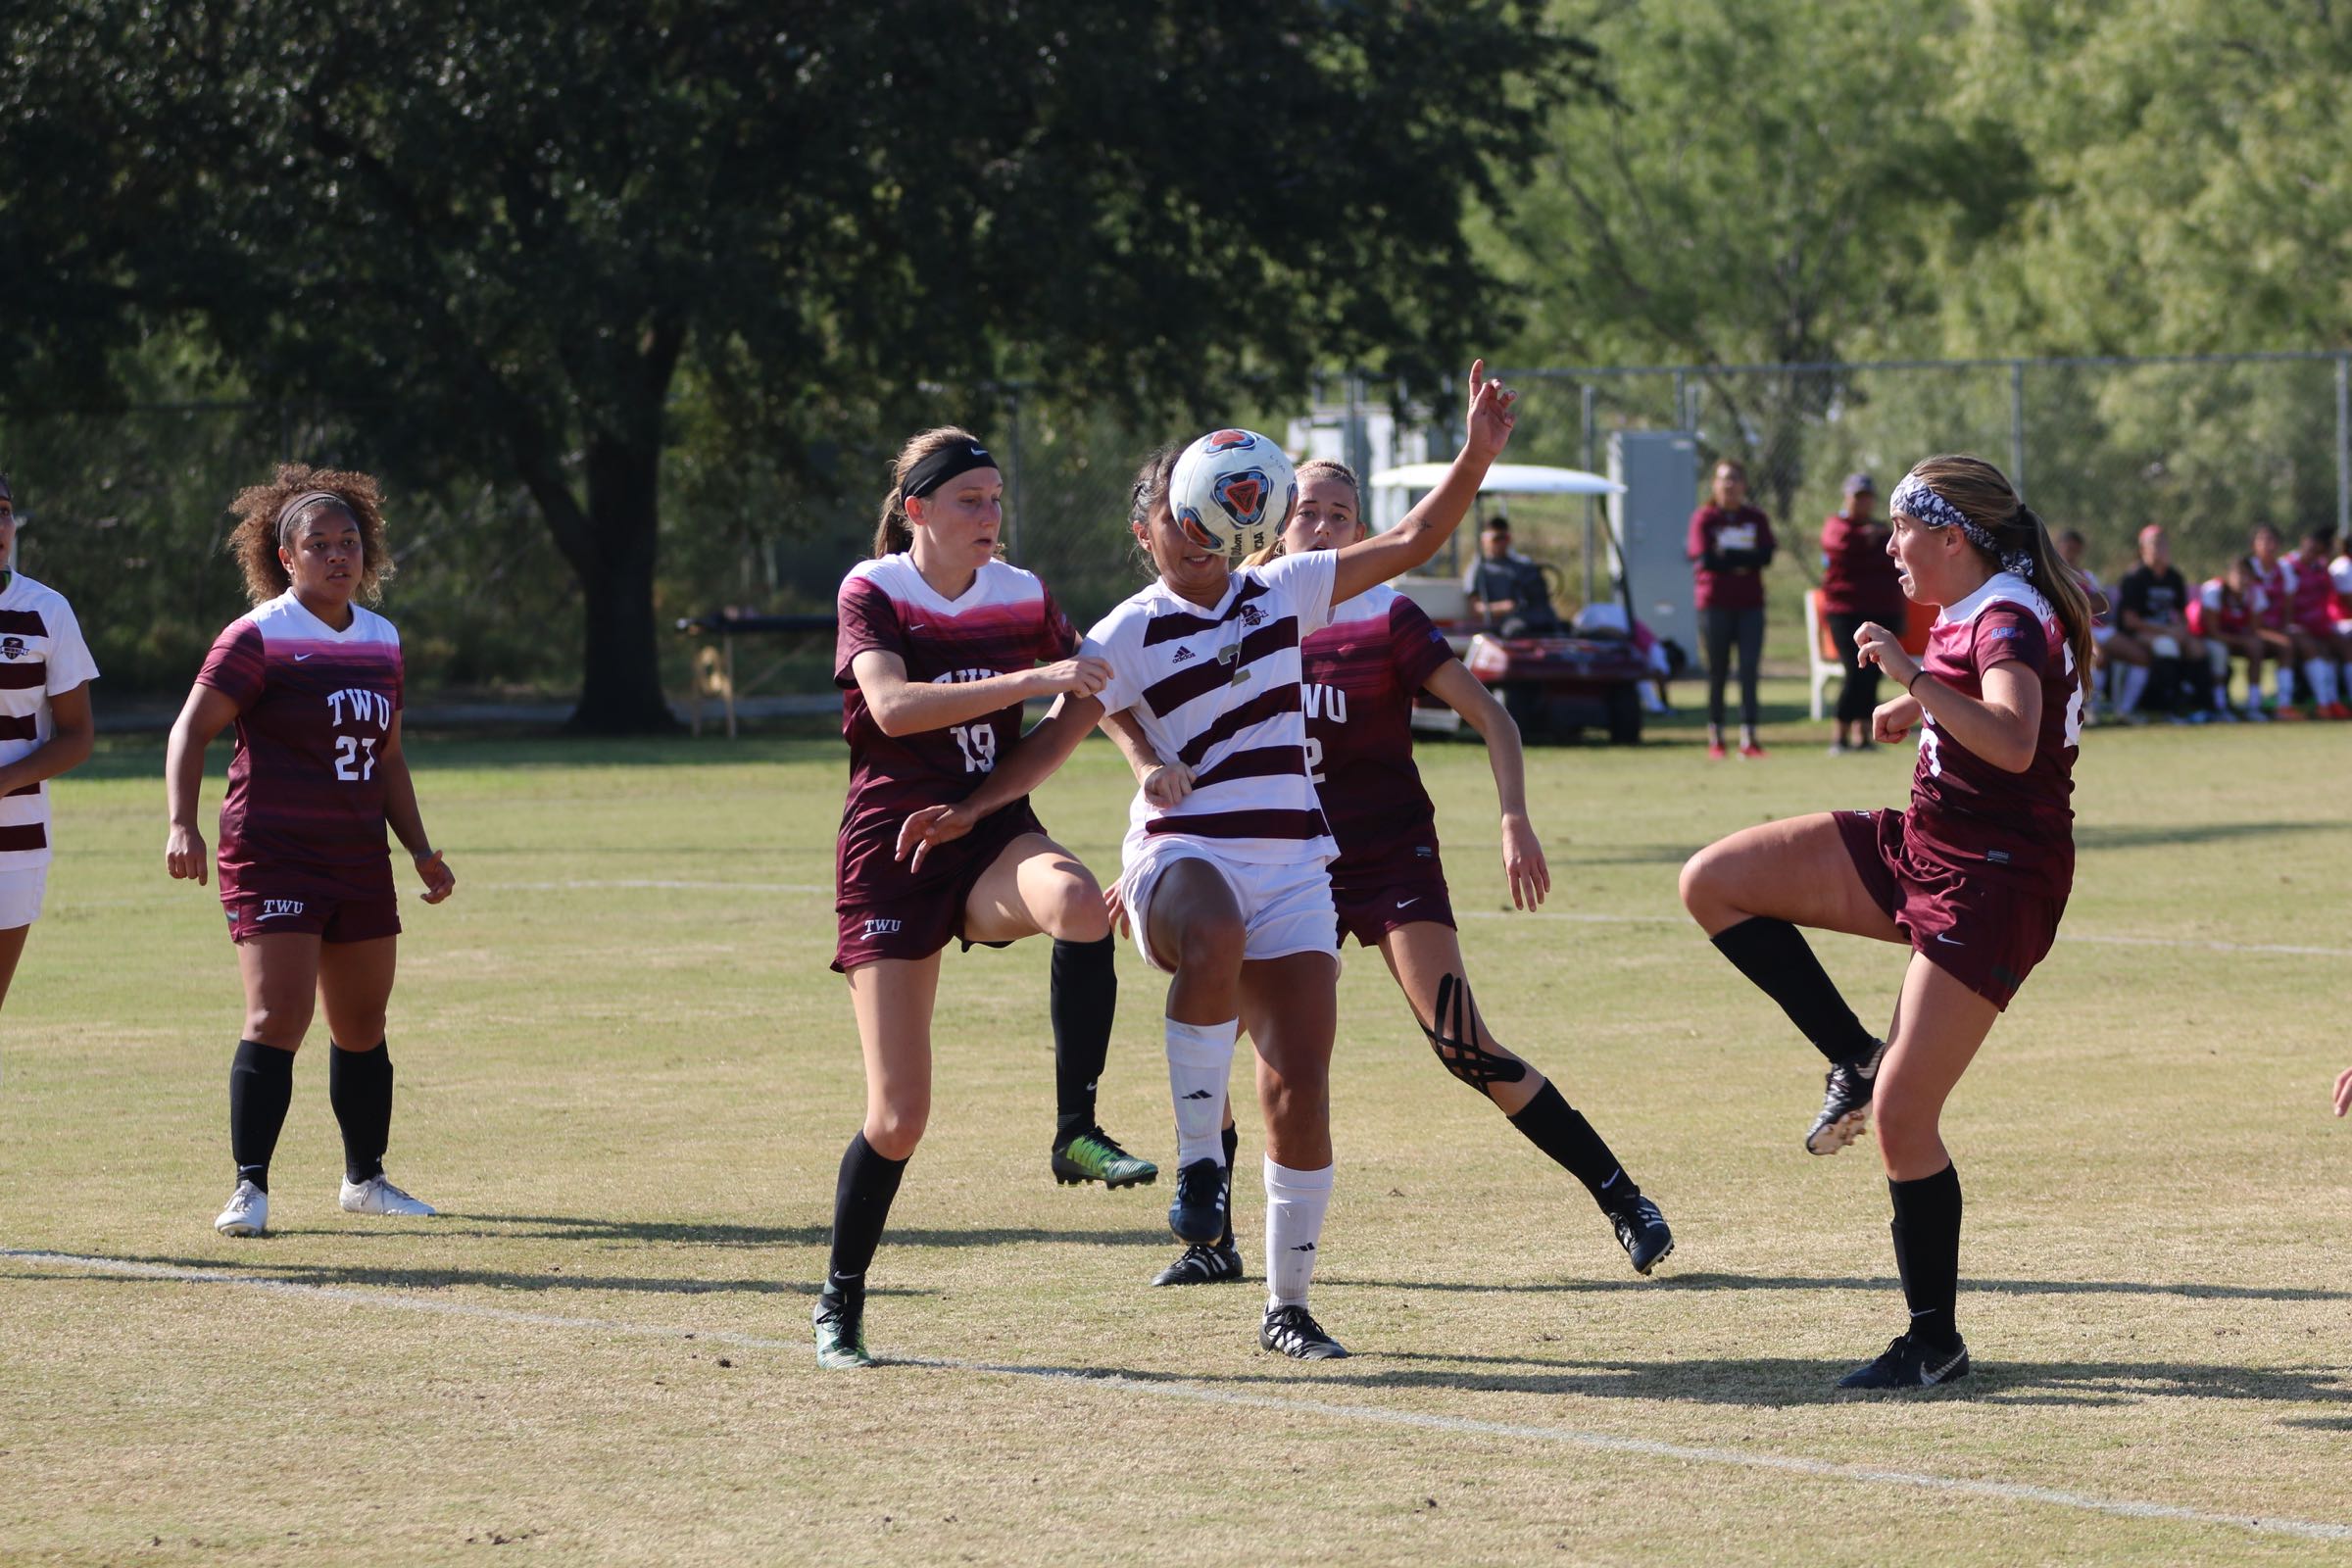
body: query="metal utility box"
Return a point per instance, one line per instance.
(1649, 524)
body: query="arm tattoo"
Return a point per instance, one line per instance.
(1454, 1038)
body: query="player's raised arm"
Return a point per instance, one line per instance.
(1426, 528)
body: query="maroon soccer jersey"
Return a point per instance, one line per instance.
(304, 814)
(2308, 592)
(1360, 675)
(1004, 622)
(1966, 812)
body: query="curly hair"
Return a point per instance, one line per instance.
(264, 521)
(1149, 494)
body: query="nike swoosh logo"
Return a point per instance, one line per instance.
(1941, 937)
(1406, 904)
(273, 914)
(299, 658)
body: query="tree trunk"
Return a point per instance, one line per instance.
(620, 666)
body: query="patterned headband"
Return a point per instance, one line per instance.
(1914, 499)
(293, 509)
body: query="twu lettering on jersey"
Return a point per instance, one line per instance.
(1327, 702)
(361, 706)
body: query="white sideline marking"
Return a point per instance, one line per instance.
(1601, 1441)
(660, 883)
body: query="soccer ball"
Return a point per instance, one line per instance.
(1233, 491)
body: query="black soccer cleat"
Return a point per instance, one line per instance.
(1845, 1103)
(1642, 1232)
(1909, 1365)
(1198, 1215)
(840, 1331)
(1294, 1331)
(1212, 1264)
(1094, 1155)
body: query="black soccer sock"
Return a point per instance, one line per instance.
(860, 1207)
(1927, 1251)
(1233, 1141)
(1560, 1130)
(1775, 956)
(1084, 995)
(358, 1085)
(260, 1086)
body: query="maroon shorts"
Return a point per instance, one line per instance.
(1985, 932)
(332, 918)
(898, 917)
(1403, 887)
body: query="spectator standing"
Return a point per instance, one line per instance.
(1730, 544)
(1859, 584)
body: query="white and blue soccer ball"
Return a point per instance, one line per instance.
(1233, 491)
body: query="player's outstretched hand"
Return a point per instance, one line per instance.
(1523, 863)
(439, 880)
(1490, 420)
(928, 828)
(1080, 676)
(1890, 722)
(2343, 1093)
(1116, 908)
(184, 856)
(1167, 784)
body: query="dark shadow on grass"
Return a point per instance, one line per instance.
(2114, 836)
(2192, 1290)
(1149, 1231)
(1764, 1382)
(339, 1275)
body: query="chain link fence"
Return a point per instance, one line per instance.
(125, 511)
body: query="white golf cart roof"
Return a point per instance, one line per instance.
(1504, 480)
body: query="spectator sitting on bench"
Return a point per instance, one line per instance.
(1507, 590)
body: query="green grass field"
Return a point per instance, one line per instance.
(626, 1076)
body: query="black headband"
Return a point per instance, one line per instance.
(960, 457)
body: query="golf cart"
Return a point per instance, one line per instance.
(1587, 674)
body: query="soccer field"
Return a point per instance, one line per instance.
(626, 1076)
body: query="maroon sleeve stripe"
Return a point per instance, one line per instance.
(24, 677)
(24, 623)
(1265, 705)
(1300, 825)
(20, 727)
(1166, 696)
(30, 836)
(22, 789)
(1169, 627)
(1258, 762)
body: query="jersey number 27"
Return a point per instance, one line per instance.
(355, 758)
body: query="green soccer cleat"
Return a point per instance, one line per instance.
(840, 1333)
(1094, 1155)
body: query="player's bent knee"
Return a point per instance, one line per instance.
(894, 1131)
(1072, 910)
(1211, 946)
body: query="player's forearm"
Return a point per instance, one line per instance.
(401, 814)
(913, 707)
(184, 774)
(1036, 757)
(1127, 734)
(60, 752)
(1421, 536)
(2002, 735)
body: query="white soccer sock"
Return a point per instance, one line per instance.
(2282, 684)
(2318, 679)
(2135, 684)
(2217, 660)
(1295, 1202)
(1199, 1065)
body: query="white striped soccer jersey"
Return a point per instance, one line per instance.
(42, 654)
(1218, 689)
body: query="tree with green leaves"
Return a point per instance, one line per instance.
(496, 231)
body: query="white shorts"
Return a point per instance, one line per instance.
(20, 896)
(1286, 909)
